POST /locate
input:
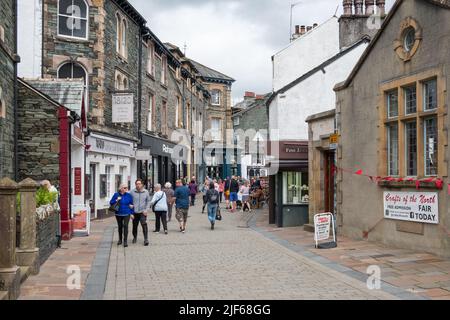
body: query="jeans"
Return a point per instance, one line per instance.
(122, 223)
(139, 217)
(160, 216)
(212, 212)
(169, 213)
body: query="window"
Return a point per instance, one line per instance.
(215, 97)
(151, 104)
(295, 188)
(392, 103)
(409, 39)
(121, 35)
(411, 148)
(430, 95)
(236, 121)
(188, 110)
(178, 114)
(108, 170)
(121, 82)
(247, 145)
(431, 147)
(73, 18)
(164, 118)
(2, 34)
(72, 70)
(151, 59)
(393, 149)
(410, 100)
(103, 186)
(216, 129)
(164, 70)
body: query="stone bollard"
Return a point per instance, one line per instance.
(9, 271)
(27, 254)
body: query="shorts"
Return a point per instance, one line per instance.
(181, 214)
(233, 196)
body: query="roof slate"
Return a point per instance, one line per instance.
(207, 72)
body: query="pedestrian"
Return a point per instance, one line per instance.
(227, 185)
(122, 202)
(212, 197)
(159, 205)
(221, 189)
(193, 190)
(234, 189)
(170, 199)
(245, 190)
(205, 189)
(182, 204)
(141, 202)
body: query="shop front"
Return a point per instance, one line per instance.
(161, 164)
(289, 186)
(110, 162)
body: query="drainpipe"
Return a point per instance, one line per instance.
(16, 61)
(141, 32)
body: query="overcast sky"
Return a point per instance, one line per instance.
(235, 37)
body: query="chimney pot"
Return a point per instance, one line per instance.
(308, 28)
(381, 5)
(302, 30)
(370, 7)
(359, 10)
(315, 25)
(348, 6)
(297, 29)
(249, 94)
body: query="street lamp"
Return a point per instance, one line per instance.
(290, 30)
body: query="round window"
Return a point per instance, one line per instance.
(409, 39)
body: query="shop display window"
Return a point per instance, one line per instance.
(295, 188)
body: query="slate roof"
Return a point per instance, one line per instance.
(68, 93)
(209, 73)
(131, 11)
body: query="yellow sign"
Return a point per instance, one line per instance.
(334, 139)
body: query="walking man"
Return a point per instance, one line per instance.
(234, 189)
(182, 204)
(141, 201)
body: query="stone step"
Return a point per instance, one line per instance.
(3, 295)
(308, 227)
(24, 273)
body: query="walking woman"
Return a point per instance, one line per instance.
(212, 198)
(159, 205)
(169, 195)
(193, 190)
(221, 189)
(245, 190)
(122, 201)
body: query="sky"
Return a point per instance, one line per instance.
(235, 37)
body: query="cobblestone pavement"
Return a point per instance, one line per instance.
(227, 263)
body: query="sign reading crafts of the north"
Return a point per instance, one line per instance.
(123, 108)
(412, 206)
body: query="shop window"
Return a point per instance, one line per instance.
(108, 171)
(73, 19)
(295, 188)
(103, 186)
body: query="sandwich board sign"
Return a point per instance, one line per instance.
(323, 224)
(81, 220)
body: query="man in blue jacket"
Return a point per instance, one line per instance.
(182, 204)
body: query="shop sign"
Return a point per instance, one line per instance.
(110, 147)
(81, 219)
(420, 207)
(77, 182)
(123, 108)
(143, 155)
(323, 224)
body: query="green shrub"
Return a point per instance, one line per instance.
(44, 197)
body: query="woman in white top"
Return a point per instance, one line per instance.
(245, 190)
(159, 206)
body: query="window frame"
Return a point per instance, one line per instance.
(419, 118)
(219, 97)
(86, 81)
(58, 15)
(151, 112)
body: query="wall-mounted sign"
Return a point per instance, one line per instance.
(110, 147)
(412, 206)
(77, 182)
(123, 108)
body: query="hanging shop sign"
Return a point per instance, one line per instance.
(412, 206)
(123, 108)
(77, 182)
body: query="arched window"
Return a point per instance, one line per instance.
(124, 38)
(73, 18)
(71, 70)
(125, 84)
(118, 82)
(216, 97)
(118, 33)
(121, 35)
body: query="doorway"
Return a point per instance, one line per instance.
(91, 188)
(329, 181)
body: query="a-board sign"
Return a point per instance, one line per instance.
(323, 226)
(81, 219)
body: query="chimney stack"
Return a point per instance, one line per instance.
(249, 95)
(359, 10)
(348, 7)
(381, 5)
(370, 7)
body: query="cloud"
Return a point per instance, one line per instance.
(235, 37)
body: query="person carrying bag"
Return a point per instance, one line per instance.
(160, 208)
(212, 197)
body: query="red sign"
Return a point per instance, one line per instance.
(77, 132)
(78, 182)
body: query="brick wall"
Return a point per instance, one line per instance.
(7, 49)
(38, 143)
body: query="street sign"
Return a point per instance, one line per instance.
(323, 222)
(334, 141)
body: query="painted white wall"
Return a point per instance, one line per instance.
(29, 44)
(322, 127)
(311, 96)
(306, 53)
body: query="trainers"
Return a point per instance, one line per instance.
(134, 240)
(155, 231)
(165, 232)
(125, 244)
(119, 243)
(146, 243)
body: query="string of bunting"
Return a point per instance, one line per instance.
(377, 179)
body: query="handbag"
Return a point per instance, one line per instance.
(154, 205)
(115, 207)
(218, 215)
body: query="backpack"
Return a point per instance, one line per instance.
(214, 196)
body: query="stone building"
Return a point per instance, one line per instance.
(251, 130)
(8, 67)
(393, 120)
(218, 125)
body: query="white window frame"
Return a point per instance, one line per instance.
(151, 102)
(67, 16)
(216, 134)
(2, 105)
(164, 70)
(219, 97)
(151, 59)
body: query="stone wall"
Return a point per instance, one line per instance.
(38, 143)
(47, 227)
(7, 49)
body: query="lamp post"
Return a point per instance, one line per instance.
(290, 30)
